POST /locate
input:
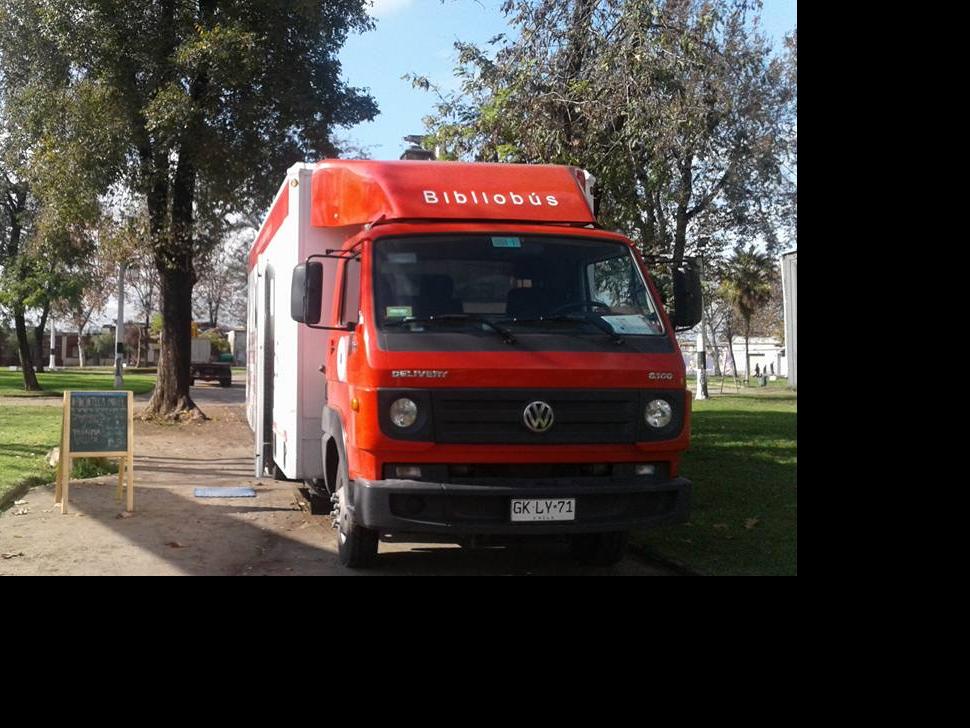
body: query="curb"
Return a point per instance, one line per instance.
(12, 495)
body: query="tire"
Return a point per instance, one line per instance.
(598, 549)
(192, 382)
(225, 382)
(356, 545)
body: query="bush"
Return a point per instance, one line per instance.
(93, 467)
(220, 345)
(103, 346)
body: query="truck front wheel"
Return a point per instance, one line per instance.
(598, 549)
(356, 545)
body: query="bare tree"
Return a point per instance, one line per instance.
(221, 281)
(92, 286)
(144, 284)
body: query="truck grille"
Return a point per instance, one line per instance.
(495, 416)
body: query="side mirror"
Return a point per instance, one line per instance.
(687, 297)
(306, 293)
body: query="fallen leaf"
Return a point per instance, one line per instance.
(751, 523)
(174, 544)
(12, 556)
(20, 503)
(22, 512)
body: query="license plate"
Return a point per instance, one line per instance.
(543, 509)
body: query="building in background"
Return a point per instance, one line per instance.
(767, 352)
(789, 283)
(237, 345)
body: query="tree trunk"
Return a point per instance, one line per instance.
(171, 398)
(147, 338)
(734, 363)
(26, 364)
(80, 349)
(683, 208)
(20, 323)
(747, 354)
(174, 254)
(716, 349)
(39, 336)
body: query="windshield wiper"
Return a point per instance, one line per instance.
(603, 325)
(502, 331)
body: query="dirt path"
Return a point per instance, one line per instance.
(172, 532)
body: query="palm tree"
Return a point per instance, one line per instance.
(746, 284)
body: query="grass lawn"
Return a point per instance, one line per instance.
(26, 436)
(54, 383)
(743, 463)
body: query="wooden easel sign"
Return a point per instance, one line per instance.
(97, 425)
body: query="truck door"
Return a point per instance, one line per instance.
(348, 306)
(265, 458)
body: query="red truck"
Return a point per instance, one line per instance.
(451, 352)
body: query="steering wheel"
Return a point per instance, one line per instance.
(582, 306)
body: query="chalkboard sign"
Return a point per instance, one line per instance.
(99, 422)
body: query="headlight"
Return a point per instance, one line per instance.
(658, 413)
(404, 412)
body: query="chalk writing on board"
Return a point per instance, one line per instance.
(99, 421)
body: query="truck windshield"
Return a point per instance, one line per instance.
(521, 284)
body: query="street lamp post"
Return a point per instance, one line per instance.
(119, 329)
(701, 352)
(51, 364)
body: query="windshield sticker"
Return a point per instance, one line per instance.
(402, 258)
(506, 242)
(398, 312)
(632, 324)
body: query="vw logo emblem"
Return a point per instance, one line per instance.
(538, 416)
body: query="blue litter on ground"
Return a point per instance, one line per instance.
(225, 493)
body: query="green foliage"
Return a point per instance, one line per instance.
(680, 110)
(103, 345)
(156, 325)
(220, 344)
(746, 282)
(197, 109)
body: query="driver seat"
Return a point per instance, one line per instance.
(525, 303)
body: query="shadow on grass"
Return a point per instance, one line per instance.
(743, 519)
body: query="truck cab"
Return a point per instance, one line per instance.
(490, 364)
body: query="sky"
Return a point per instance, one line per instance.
(418, 36)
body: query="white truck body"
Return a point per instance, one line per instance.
(285, 388)
(201, 350)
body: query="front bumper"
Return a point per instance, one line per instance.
(416, 507)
